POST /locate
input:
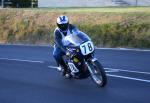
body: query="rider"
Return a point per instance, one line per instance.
(63, 29)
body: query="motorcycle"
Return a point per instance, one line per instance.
(80, 59)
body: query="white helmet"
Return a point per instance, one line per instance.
(63, 22)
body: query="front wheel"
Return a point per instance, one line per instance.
(98, 74)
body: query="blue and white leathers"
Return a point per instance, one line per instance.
(59, 49)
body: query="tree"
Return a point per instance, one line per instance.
(21, 3)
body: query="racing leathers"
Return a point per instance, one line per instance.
(59, 48)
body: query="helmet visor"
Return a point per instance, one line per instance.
(63, 27)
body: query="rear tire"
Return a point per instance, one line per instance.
(98, 74)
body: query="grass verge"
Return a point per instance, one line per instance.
(108, 27)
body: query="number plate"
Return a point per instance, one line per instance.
(87, 48)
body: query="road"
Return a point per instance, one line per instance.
(28, 75)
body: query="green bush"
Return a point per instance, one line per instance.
(116, 35)
(107, 30)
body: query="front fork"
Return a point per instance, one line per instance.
(89, 63)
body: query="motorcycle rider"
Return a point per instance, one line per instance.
(63, 29)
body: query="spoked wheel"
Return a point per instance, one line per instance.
(98, 74)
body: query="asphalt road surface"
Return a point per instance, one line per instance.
(28, 75)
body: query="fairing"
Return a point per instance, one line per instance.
(75, 39)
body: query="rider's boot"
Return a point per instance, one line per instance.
(65, 72)
(68, 74)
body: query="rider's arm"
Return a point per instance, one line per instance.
(58, 40)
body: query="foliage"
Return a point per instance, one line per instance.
(129, 29)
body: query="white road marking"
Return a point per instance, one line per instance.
(111, 70)
(124, 77)
(128, 71)
(53, 67)
(121, 49)
(108, 71)
(117, 70)
(58, 68)
(29, 45)
(21, 60)
(125, 49)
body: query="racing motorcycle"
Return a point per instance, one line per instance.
(80, 59)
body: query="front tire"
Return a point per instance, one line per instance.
(98, 74)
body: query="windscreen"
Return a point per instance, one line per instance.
(75, 39)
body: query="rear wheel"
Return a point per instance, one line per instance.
(98, 74)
